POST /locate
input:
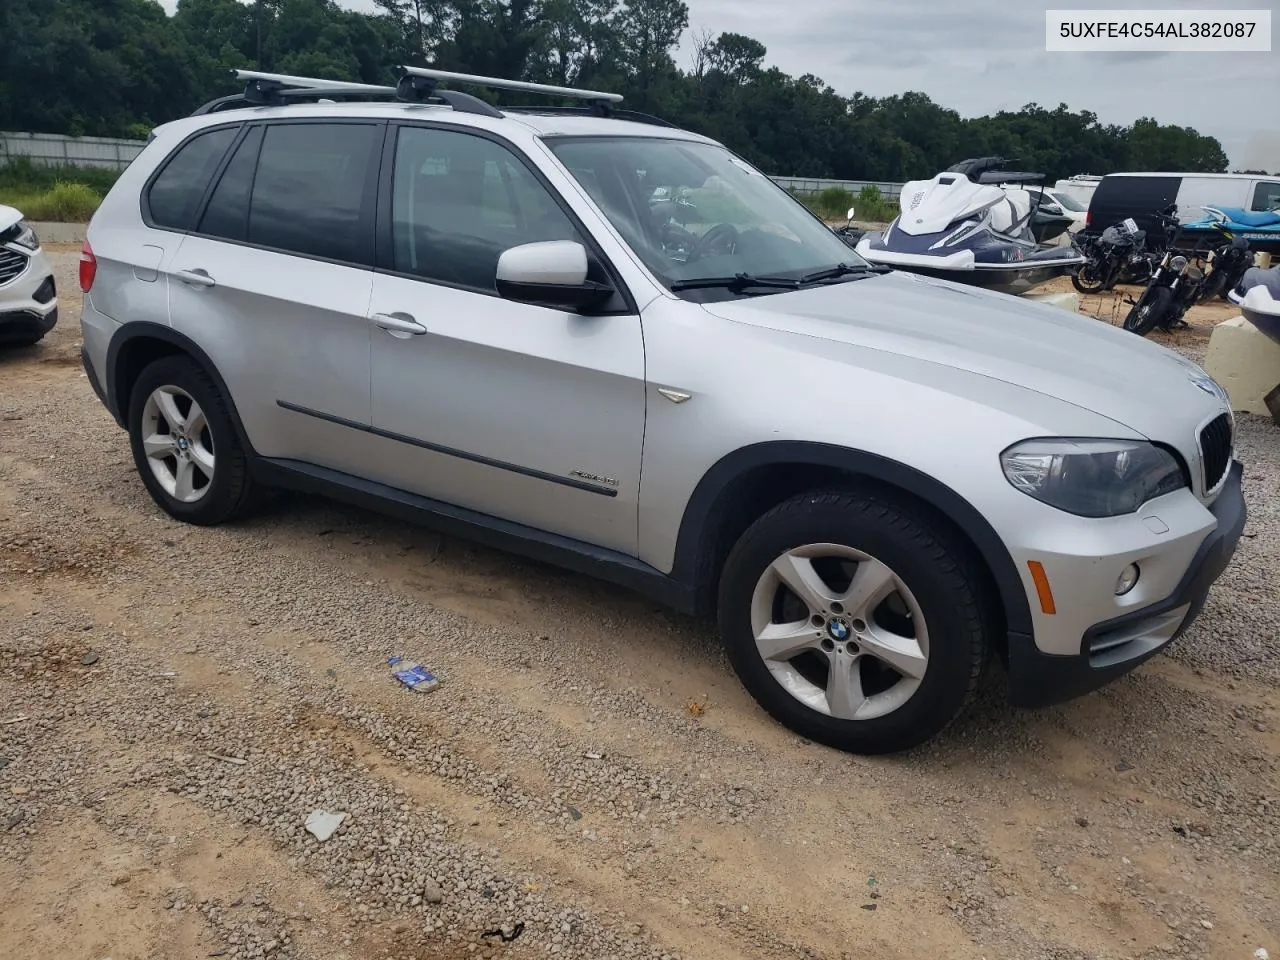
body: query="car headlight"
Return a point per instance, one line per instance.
(1092, 478)
(26, 237)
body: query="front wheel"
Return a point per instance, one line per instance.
(851, 622)
(1091, 277)
(1155, 304)
(184, 444)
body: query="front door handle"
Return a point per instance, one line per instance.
(399, 324)
(195, 278)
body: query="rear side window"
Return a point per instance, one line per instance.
(227, 214)
(176, 192)
(313, 192)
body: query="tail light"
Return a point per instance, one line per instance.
(1088, 218)
(88, 266)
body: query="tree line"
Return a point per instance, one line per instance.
(119, 67)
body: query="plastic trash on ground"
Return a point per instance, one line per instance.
(321, 824)
(413, 675)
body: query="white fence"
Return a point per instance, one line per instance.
(51, 149)
(807, 186)
(55, 150)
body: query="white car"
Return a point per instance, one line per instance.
(28, 295)
(1060, 202)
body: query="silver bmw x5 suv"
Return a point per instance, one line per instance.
(589, 337)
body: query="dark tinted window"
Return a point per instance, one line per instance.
(176, 193)
(312, 193)
(228, 212)
(459, 200)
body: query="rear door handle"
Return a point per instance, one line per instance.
(195, 278)
(399, 324)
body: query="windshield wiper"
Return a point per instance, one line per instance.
(841, 270)
(738, 281)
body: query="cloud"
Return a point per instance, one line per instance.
(982, 56)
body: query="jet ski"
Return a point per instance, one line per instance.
(962, 226)
(1260, 227)
(1258, 297)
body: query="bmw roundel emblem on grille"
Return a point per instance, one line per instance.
(838, 629)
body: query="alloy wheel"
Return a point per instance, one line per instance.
(177, 443)
(840, 631)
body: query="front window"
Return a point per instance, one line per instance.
(1266, 196)
(695, 212)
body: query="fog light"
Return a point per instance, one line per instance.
(1128, 578)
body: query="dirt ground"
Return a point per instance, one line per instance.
(589, 780)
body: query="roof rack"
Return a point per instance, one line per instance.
(265, 89)
(414, 85)
(273, 89)
(429, 77)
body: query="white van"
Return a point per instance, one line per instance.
(1139, 195)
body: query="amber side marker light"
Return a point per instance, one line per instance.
(1042, 586)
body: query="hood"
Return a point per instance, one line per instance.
(8, 217)
(1062, 355)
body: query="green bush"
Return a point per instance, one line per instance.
(65, 202)
(20, 176)
(833, 202)
(873, 206)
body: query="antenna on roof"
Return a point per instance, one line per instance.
(427, 79)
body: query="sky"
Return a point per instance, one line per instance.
(981, 56)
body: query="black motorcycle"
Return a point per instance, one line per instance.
(1231, 260)
(1123, 253)
(849, 233)
(1183, 279)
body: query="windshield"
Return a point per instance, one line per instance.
(1068, 201)
(694, 211)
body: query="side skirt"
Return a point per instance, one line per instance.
(564, 552)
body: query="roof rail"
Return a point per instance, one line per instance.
(633, 115)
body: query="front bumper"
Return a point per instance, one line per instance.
(1113, 647)
(29, 301)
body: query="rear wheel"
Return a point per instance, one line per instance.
(184, 444)
(851, 622)
(1155, 304)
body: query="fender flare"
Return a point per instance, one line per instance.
(147, 330)
(695, 541)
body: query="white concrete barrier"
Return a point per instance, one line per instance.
(1067, 300)
(1246, 362)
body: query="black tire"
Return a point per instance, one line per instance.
(1087, 280)
(30, 340)
(937, 573)
(1155, 304)
(230, 493)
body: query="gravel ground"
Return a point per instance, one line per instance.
(589, 780)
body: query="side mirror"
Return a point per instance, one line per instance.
(551, 273)
(852, 211)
